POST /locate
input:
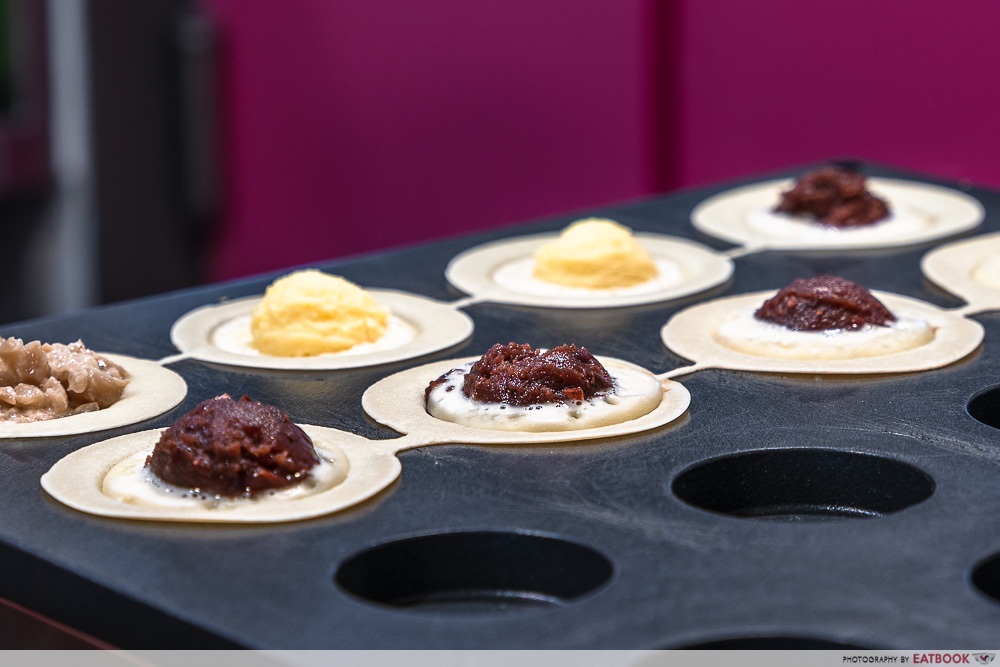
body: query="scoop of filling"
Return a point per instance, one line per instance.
(835, 197)
(47, 381)
(515, 388)
(823, 303)
(232, 448)
(309, 312)
(515, 374)
(594, 253)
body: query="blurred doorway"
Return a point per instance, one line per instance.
(113, 196)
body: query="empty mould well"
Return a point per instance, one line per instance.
(474, 572)
(986, 577)
(802, 484)
(985, 407)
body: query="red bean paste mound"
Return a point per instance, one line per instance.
(233, 448)
(518, 375)
(836, 197)
(47, 381)
(824, 302)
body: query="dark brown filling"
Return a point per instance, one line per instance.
(515, 374)
(824, 302)
(233, 448)
(836, 197)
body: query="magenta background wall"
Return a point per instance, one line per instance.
(763, 85)
(355, 126)
(351, 126)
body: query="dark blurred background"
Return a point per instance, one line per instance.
(148, 146)
(107, 151)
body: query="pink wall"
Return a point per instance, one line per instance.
(355, 126)
(762, 85)
(352, 126)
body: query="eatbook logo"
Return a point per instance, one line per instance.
(984, 658)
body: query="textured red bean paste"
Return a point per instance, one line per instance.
(515, 374)
(233, 448)
(836, 197)
(824, 302)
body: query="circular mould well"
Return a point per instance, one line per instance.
(986, 577)
(220, 333)
(501, 272)
(693, 333)
(474, 572)
(79, 481)
(398, 402)
(803, 484)
(985, 407)
(922, 212)
(969, 269)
